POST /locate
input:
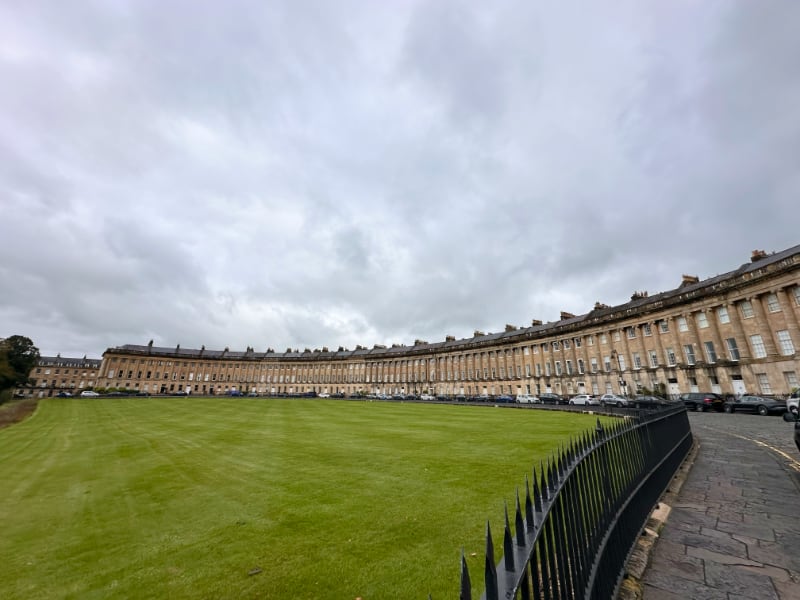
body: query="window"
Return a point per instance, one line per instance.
(621, 360)
(538, 370)
(772, 303)
(653, 359)
(682, 325)
(648, 331)
(558, 368)
(785, 341)
(688, 351)
(711, 354)
(616, 336)
(747, 309)
(580, 366)
(603, 338)
(569, 367)
(671, 360)
(607, 363)
(555, 347)
(577, 342)
(763, 383)
(631, 333)
(791, 379)
(722, 315)
(590, 338)
(757, 344)
(527, 370)
(637, 361)
(663, 326)
(593, 365)
(566, 344)
(733, 349)
(797, 295)
(547, 369)
(702, 320)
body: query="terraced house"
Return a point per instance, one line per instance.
(734, 333)
(55, 375)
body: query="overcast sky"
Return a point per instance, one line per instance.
(331, 173)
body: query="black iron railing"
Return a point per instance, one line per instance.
(584, 510)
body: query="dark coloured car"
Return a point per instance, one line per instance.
(793, 417)
(756, 404)
(64, 395)
(548, 398)
(702, 401)
(504, 399)
(649, 402)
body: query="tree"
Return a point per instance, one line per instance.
(18, 356)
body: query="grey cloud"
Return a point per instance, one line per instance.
(304, 174)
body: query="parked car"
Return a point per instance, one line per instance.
(702, 401)
(548, 398)
(503, 399)
(792, 401)
(323, 395)
(614, 400)
(89, 394)
(794, 417)
(426, 398)
(756, 404)
(63, 395)
(649, 402)
(584, 400)
(527, 399)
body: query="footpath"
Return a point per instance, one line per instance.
(730, 529)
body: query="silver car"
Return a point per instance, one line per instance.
(613, 400)
(585, 399)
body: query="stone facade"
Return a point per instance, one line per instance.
(55, 374)
(733, 333)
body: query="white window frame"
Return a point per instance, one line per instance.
(648, 331)
(757, 346)
(785, 342)
(688, 353)
(702, 320)
(763, 383)
(672, 360)
(746, 308)
(773, 304)
(711, 353)
(722, 315)
(683, 326)
(653, 358)
(733, 349)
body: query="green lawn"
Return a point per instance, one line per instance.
(184, 498)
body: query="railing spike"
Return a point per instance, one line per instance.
(489, 569)
(528, 505)
(466, 585)
(508, 544)
(537, 496)
(543, 474)
(519, 524)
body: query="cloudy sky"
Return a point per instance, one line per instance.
(331, 173)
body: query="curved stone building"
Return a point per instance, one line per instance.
(733, 333)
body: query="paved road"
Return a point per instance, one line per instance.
(734, 530)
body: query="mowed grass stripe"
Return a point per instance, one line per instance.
(142, 498)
